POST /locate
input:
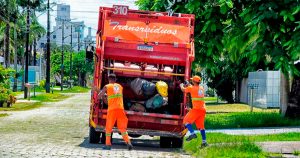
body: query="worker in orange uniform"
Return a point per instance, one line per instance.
(115, 112)
(197, 113)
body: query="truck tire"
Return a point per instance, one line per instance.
(177, 142)
(134, 135)
(94, 136)
(165, 142)
(103, 138)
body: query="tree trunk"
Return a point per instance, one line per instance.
(284, 91)
(15, 87)
(30, 56)
(293, 106)
(237, 91)
(6, 45)
(34, 53)
(79, 78)
(23, 77)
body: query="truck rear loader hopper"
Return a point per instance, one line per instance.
(149, 45)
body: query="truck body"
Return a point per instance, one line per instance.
(148, 45)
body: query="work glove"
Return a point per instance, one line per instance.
(186, 83)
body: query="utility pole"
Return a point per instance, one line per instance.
(34, 52)
(71, 53)
(27, 51)
(15, 87)
(78, 39)
(48, 50)
(62, 56)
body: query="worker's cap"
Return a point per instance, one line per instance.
(196, 78)
(112, 76)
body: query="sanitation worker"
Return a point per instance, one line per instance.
(197, 113)
(115, 111)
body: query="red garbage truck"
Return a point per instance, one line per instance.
(154, 46)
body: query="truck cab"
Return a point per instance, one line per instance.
(153, 46)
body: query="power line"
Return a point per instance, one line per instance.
(80, 11)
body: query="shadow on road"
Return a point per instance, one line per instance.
(139, 144)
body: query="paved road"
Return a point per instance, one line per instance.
(61, 130)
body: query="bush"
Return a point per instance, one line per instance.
(5, 84)
(210, 92)
(42, 83)
(4, 95)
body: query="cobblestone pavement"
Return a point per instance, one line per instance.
(61, 130)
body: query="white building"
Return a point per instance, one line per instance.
(66, 27)
(89, 40)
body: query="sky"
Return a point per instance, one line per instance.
(84, 10)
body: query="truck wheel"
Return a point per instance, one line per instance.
(103, 138)
(134, 135)
(165, 142)
(94, 136)
(177, 142)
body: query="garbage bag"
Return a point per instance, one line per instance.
(155, 102)
(136, 86)
(138, 108)
(162, 88)
(148, 88)
(127, 103)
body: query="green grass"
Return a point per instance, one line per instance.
(296, 153)
(75, 89)
(22, 106)
(49, 97)
(227, 108)
(3, 115)
(241, 149)
(224, 145)
(248, 120)
(17, 93)
(226, 138)
(38, 102)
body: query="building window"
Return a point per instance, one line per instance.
(54, 36)
(63, 9)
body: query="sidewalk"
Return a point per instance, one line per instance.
(288, 148)
(256, 131)
(284, 147)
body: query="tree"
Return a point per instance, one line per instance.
(8, 15)
(233, 38)
(36, 31)
(80, 66)
(11, 15)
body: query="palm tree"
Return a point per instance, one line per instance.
(36, 31)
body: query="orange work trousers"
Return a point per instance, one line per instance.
(197, 116)
(119, 116)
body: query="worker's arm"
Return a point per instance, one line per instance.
(182, 87)
(102, 93)
(185, 87)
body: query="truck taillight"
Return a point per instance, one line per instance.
(188, 45)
